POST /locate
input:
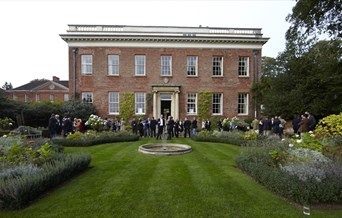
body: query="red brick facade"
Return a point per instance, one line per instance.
(39, 91)
(230, 84)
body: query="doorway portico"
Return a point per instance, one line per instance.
(166, 101)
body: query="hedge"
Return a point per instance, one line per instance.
(17, 191)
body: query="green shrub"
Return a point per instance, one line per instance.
(17, 191)
(6, 123)
(234, 137)
(16, 150)
(309, 141)
(302, 175)
(92, 138)
(330, 125)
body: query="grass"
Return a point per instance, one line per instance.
(125, 183)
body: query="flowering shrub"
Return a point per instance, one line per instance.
(6, 123)
(16, 150)
(310, 141)
(95, 122)
(250, 135)
(330, 125)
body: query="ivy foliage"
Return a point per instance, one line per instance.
(127, 105)
(204, 105)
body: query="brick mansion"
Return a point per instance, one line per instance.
(165, 67)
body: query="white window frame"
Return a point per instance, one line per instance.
(166, 65)
(140, 65)
(191, 103)
(219, 97)
(215, 60)
(66, 97)
(191, 65)
(113, 103)
(113, 65)
(52, 98)
(140, 103)
(27, 99)
(37, 98)
(87, 64)
(88, 96)
(243, 103)
(243, 66)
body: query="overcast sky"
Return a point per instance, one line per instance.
(31, 48)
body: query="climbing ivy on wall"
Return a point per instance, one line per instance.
(127, 105)
(204, 105)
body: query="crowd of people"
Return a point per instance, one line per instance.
(276, 125)
(63, 127)
(164, 128)
(169, 128)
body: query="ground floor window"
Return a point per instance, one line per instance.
(113, 102)
(243, 104)
(87, 97)
(140, 102)
(217, 104)
(192, 103)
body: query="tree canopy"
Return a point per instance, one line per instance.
(318, 16)
(307, 75)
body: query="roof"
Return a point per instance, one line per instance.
(122, 34)
(37, 83)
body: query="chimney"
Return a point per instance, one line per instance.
(55, 78)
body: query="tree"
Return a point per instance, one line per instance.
(311, 82)
(317, 17)
(7, 86)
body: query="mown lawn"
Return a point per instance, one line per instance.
(125, 183)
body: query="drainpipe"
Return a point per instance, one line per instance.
(256, 79)
(75, 62)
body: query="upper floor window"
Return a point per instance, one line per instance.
(217, 104)
(217, 66)
(140, 65)
(191, 65)
(140, 103)
(166, 65)
(243, 104)
(192, 103)
(113, 102)
(87, 64)
(244, 66)
(113, 65)
(87, 97)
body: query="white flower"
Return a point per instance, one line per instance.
(299, 140)
(291, 145)
(282, 139)
(4, 136)
(10, 124)
(310, 132)
(297, 136)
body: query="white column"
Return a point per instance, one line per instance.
(176, 105)
(155, 104)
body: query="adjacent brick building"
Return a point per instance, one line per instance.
(165, 67)
(41, 90)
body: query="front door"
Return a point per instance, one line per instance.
(165, 108)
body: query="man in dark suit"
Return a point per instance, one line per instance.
(161, 125)
(187, 125)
